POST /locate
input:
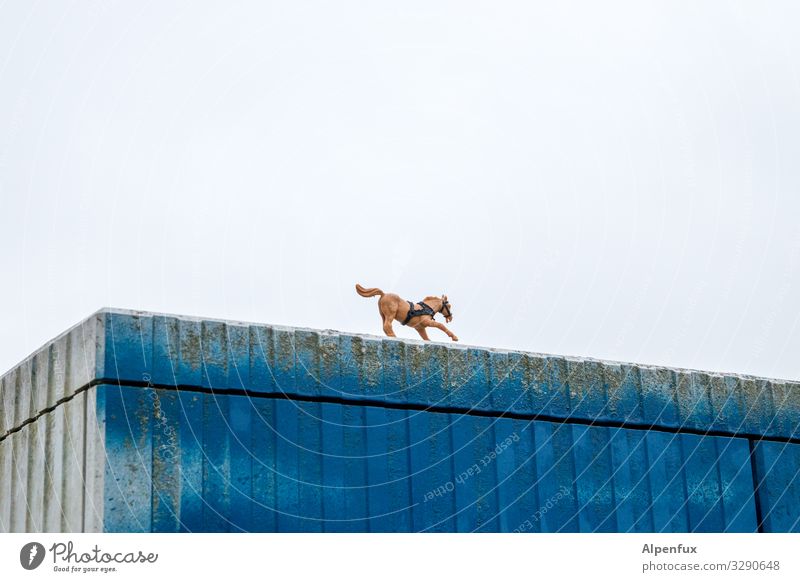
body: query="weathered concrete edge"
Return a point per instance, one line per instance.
(644, 394)
(413, 341)
(53, 469)
(53, 374)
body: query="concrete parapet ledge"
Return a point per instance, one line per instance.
(135, 348)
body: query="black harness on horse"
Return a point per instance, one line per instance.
(424, 309)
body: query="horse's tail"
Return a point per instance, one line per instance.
(368, 292)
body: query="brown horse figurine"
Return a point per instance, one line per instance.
(417, 315)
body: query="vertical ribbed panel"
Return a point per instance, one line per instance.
(738, 499)
(7, 399)
(632, 496)
(430, 448)
(94, 461)
(667, 483)
(555, 478)
(217, 478)
(476, 494)
(36, 476)
(5, 484)
(73, 487)
(387, 464)
(726, 411)
(693, 397)
(265, 478)
(54, 469)
(587, 393)
(594, 477)
(786, 402)
(622, 382)
(309, 448)
(556, 396)
(167, 450)
(19, 479)
(515, 470)
(757, 401)
(659, 401)
(778, 475)
(129, 453)
(19, 450)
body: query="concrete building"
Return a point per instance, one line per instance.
(136, 421)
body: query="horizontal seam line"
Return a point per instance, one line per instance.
(405, 406)
(49, 409)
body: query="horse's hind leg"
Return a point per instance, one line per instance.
(388, 317)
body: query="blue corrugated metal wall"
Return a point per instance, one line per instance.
(222, 426)
(236, 463)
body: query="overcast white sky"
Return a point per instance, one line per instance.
(616, 180)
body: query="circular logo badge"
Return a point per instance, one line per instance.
(31, 555)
